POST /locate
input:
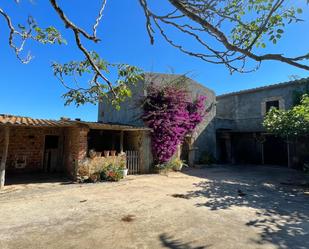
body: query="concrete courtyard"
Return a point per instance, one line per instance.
(215, 207)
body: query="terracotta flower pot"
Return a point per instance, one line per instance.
(106, 153)
(92, 154)
(113, 153)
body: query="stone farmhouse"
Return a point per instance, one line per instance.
(241, 137)
(231, 132)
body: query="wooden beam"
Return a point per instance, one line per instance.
(289, 153)
(121, 142)
(6, 131)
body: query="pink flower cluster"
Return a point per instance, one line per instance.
(172, 114)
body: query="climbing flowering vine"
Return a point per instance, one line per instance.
(172, 114)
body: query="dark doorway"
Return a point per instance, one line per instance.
(223, 156)
(51, 153)
(100, 140)
(184, 154)
(275, 151)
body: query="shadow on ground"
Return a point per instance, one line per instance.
(282, 210)
(172, 243)
(36, 178)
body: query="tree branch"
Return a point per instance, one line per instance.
(221, 36)
(77, 31)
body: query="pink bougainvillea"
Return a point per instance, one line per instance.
(172, 114)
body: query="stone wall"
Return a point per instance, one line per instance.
(130, 111)
(247, 108)
(89, 166)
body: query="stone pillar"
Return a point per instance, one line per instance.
(191, 152)
(121, 141)
(228, 146)
(191, 157)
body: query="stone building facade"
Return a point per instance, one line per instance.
(198, 143)
(232, 131)
(241, 137)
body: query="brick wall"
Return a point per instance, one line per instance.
(75, 148)
(27, 145)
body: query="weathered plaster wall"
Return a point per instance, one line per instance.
(130, 111)
(140, 141)
(247, 109)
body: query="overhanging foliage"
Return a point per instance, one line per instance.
(290, 123)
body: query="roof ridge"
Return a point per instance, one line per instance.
(5, 115)
(284, 83)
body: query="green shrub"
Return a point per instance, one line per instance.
(175, 164)
(112, 172)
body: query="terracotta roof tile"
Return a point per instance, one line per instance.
(11, 120)
(6, 119)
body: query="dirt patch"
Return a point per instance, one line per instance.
(128, 218)
(202, 208)
(180, 196)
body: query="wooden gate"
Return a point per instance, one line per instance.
(133, 163)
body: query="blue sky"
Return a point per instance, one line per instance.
(32, 90)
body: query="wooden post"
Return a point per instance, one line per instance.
(288, 149)
(6, 131)
(121, 142)
(262, 150)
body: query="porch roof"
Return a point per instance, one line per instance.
(110, 126)
(12, 120)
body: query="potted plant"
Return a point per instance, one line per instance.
(92, 153)
(106, 153)
(113, 152)
(112, 172)
(177, 164)
(125, 171)
(124, 168)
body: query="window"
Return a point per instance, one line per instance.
(275, 101)
(270, 104)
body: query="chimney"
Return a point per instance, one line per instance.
(65, 119)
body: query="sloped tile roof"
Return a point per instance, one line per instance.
(12, 120)
(6, 119)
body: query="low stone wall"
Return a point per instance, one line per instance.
(90, 166)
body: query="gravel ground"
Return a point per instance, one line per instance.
(215, 207)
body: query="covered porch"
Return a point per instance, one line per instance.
(38, 149)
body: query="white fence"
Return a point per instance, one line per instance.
(133, 163)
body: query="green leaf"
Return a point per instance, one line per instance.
(299, 11)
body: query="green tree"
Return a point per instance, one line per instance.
(229, 32)
(290, 123)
